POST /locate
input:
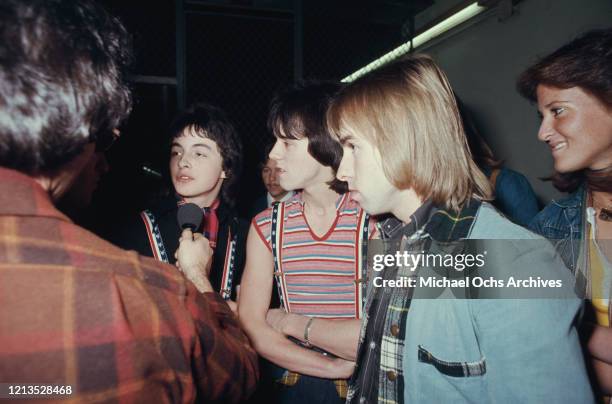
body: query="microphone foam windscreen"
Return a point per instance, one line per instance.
(189, 215)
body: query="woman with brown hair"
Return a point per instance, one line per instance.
(573, 90)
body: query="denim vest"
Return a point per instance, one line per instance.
(562, 223)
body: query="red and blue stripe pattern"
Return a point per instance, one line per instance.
(320, 274)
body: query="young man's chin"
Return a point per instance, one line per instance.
(278, 195)
(182, 188)
(190, 193)
(364, 205)
(371, 207)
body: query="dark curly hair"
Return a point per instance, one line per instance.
(212, 123)
(300, 112)
(62, 80)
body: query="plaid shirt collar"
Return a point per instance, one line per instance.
(439, 223)
(379, 373)
(393, 228)
(21, 195)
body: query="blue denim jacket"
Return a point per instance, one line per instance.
(514, 196)
(529, 347)
(561, 222)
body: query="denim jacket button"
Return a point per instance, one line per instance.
(395, 330)
(391, 375)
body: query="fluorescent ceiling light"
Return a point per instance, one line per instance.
(458, 18)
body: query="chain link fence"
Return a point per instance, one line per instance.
(233, 56)
(237, 62)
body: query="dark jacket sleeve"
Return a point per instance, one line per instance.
(243, 229)
(260, 204)
(515, 197)
(131, 234)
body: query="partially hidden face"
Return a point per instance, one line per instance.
(297, 169)
(269, 176)
(88, 179)
(196, 166)
(577, 127)
(81, 178)
(361, 167)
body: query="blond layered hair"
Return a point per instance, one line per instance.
(407, 109)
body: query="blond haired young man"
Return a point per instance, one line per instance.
(405, 153)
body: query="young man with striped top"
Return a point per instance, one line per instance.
(312, 247)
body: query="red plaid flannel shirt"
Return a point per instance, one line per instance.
(117, 327)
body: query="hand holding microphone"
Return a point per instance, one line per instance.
(194, 255)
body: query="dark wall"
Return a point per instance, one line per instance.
(235, 58)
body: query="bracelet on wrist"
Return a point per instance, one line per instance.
(307, 332)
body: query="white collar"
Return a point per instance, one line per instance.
(283, 199)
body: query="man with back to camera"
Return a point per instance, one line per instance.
(97, 322)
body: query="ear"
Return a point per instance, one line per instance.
(223, 175)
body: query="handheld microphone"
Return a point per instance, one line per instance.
(189, 216)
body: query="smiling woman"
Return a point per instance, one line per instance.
(577, 127)
(573, 90)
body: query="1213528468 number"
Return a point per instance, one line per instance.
(9, 390)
